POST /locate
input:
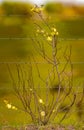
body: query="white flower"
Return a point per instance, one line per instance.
(43, 113)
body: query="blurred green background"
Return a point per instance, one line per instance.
(16, 28)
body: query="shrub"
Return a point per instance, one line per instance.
(46, 107)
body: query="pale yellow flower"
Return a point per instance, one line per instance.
(9, 106)
(30, 89)
(41, 8)
(14, 108)
(42, 113)
(57, 33)
(32, 9)
(54, 110)
(37, 10)
(38, 31)
(41, 101)
(42, 31)
(49, 38)
(54, 29)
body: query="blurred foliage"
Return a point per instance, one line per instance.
(16, 9)
(64, 10)
(15, 23)
(15, 12)
(54, 7)
(79, 9)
